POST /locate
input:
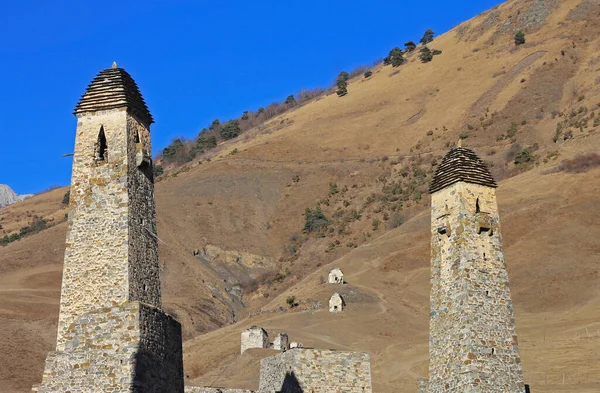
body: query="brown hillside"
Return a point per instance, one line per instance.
(385, 135)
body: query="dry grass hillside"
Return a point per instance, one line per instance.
(366, 159)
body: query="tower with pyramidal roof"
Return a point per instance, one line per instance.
(473, 346)
(112, 333)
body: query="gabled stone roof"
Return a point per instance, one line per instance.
(461, 164)
(114, 88)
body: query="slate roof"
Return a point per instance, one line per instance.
(114, 88)
(461, 164)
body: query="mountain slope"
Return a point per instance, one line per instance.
(385, 135)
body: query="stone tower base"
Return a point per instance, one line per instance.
(128, 348)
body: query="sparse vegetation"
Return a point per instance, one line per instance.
(333, 189)
(291, 301)
(425, 55)
(368, 73)
(525, 156)
(158, 170)
(395, 221)
(290, 100)
(375, 223)
(581, 163)
(512, 131)
(314, 220)
(65, 200)
(519, 38)
(37, 225)
(409, 46)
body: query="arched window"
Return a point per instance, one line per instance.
(100, 153)
(137, 137)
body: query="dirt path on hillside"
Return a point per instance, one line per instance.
(489, 96)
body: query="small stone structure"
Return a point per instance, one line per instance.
(336, 276)
(281, 342)
(254, 337)
(112, 333)
(336, 303)
(473, 346)
(316, 371)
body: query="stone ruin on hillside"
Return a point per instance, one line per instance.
(280, 343)
(336, 303)
(335, 276)
(254, 337)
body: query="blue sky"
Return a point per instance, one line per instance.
(193, 60)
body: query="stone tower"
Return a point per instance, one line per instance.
(112, 334)
(473, 346)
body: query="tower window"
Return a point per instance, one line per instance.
(100, 153)
(137, 137)
(477, 209)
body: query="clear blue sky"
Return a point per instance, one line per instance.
(193, 60)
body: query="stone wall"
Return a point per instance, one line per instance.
(144, 279)
(127, 348)
(473, 345)
(316, 371)
(110, 251)
(199, 389)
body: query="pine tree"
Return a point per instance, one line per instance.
(427, 37)
(215, 124)
(342, 84)
(290, 100)
(409, 46)
(230, 130)
(519, 38)
(426, 55)
(396, 57)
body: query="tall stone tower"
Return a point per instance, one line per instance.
(112, 334)
(472, 341)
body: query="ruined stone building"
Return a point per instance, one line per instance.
(280, 342)
(316, 371)
(336, 303)
(335, 276)
(113, 335)
(254, 337)
(473, 346)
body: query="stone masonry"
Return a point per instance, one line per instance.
(336, 303)
(473, 346)
(316, 371)
(335, 276)
(198, 389)
(112, 334)
(254, 337)
(280, 342)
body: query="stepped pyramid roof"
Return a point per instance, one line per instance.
(461, 164)
(114, 88)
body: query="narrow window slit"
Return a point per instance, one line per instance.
(100, 153)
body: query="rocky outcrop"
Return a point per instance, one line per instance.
(8, 196)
